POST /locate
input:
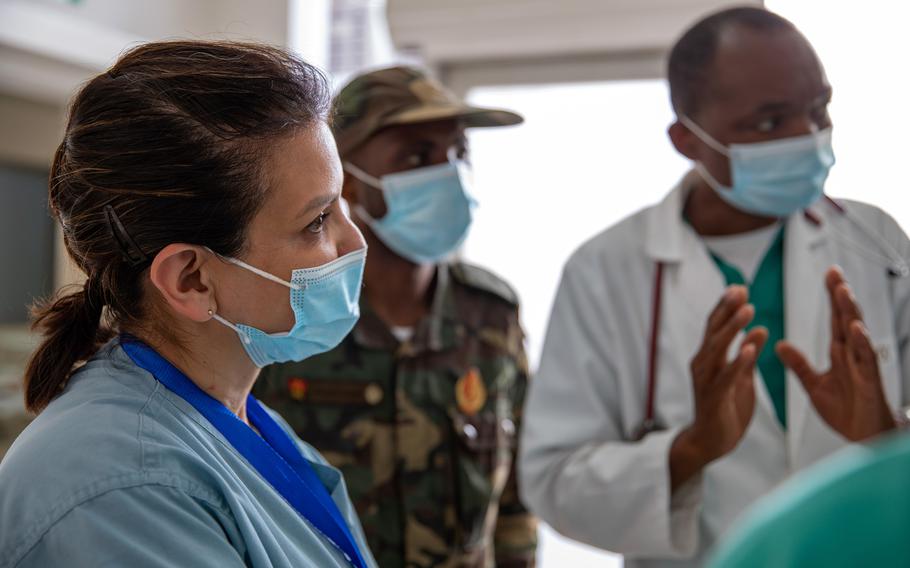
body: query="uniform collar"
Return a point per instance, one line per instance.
(668, 238)
(437, 331)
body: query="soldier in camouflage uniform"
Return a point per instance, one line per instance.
(420, 405)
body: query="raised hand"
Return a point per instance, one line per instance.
(849, 396)
(724, 390)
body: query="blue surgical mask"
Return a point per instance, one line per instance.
(775, 178)
(428, 210)
(326, 304)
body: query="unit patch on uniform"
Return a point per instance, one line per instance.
(470, 392)
(335, 391)
(297, 388)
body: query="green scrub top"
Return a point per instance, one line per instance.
(766, 293)
(852, 509)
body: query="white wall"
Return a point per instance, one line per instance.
(864, 48)
(446, 31)
(587, 155)
(29, 131)
(261, 20)
(48, 48)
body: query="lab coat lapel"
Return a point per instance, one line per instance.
(693, 286)
(692, 283)
(692, 280)
(806, 312)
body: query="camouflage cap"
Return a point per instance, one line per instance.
(402, 95)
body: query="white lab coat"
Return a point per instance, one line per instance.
(581, 472)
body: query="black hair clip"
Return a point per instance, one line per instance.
(132, 254)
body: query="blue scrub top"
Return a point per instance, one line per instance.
(120, 471)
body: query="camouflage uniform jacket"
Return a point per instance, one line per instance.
(425, 430)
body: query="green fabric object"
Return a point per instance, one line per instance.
(852, 509)
(766, 293)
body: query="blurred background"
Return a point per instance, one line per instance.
(586, 74)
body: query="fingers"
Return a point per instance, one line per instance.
(758, 337)
(734, 298)
(745, 360)
(861, 353)
(845, 313)
(713, 354)
(834, 278)
(726, 320)
(793, 359)
(844, 308)
(847, 306)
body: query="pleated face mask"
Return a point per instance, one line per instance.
(326, 304)
(428, 210)
(775, 178)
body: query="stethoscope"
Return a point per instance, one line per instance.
(887, 256)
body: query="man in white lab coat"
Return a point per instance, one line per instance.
(677, 384)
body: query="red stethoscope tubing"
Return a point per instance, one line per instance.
(649, 424)
(657, 303)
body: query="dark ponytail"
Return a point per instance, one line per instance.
(72, 330)
(168, 146)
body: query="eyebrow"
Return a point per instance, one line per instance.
(771, 107)
(429, 143)
(778, 106)
(318, 202)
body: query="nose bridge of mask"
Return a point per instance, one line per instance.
(815, 141)
(393, 183)
(408, 179)
(703, 135)
(315, 274)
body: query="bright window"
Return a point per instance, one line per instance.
(863, 46)
(586, 156)
(590, 154)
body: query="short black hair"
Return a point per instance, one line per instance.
(691, 57)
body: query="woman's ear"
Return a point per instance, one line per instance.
(178, 272)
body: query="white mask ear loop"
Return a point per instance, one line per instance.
(243, 335)
(703, 136)
(361, 175)
(361, 212)
(709, 179)
(366, 178)
(263, 273)
(257, 271)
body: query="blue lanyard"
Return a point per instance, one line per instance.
(274, 455)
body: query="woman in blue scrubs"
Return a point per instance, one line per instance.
(197, 186)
